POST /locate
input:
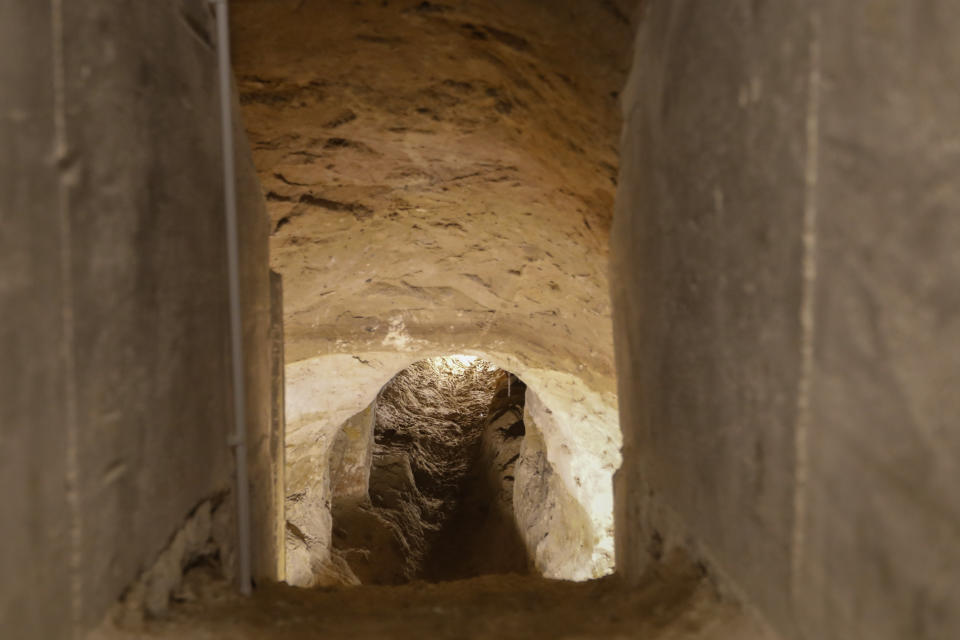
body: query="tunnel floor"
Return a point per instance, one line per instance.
(674, 602)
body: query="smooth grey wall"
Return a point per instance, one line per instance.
(35, 556)
(115, 395)
(787, 307)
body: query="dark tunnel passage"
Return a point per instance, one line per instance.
(447, 435)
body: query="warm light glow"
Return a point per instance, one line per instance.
(458, 364)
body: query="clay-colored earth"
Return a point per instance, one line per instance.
(445, 166)
(677, 602)
(440, 178)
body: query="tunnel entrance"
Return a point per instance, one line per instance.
(438, 505)
(401, 468)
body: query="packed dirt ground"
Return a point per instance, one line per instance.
(676, 601)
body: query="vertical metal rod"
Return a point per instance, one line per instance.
(239, 440)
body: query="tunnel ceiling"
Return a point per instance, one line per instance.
(438, 175)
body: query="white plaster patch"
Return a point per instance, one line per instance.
(397, 336)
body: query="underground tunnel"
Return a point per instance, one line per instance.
(436, 502)
(456, 202)
(444, 475)
(479, 318)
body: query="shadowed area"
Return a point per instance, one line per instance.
(675, 603)
(440, 479)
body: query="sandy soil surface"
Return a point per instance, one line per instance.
(675, 602)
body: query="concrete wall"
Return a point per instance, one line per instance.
(115, 397)
(788, 307)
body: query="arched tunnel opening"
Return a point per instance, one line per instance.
(447, 434)
(444, 475)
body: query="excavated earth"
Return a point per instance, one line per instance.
(434, 479)
(675, 602)
(439, 177)
(445, 165)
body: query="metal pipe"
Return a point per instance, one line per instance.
(239, 440)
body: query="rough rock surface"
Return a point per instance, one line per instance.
(482, 537)
(322, 393)
(204, 544)
(351, 456)
(554, 517)
(337, 464)
(440, 180)
(440, 174)
(429, 428)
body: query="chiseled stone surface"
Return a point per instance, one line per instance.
(441, 177)
(429, 426)
(440, 180)
(564, 515)
(483, 537)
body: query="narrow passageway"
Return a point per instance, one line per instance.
(482, 536)
(480, 319)
(439, 179)
(440, 498)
